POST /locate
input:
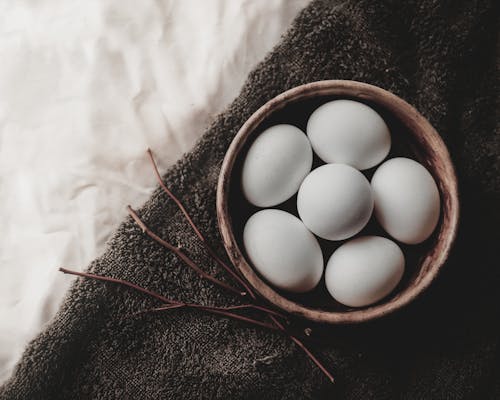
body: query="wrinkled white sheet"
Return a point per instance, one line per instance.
(85, 88)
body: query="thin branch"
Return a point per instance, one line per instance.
(211, 308)
(301, 344)
(195, 228)
(256, 307)
(313, 358)
(121, 282)
(240, 317)
(179, 253)
(170, 303)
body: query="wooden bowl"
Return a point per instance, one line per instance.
(412, 136)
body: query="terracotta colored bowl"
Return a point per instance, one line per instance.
(412, 136)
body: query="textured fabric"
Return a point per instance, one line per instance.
(438, 55)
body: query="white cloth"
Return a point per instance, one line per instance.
(85, 88)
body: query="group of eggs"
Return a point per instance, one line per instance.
(335, 201)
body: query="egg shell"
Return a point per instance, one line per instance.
(283, 251)
(407, 202)
(364, 270)
(349, 132)
(335, 201)
(275, 165)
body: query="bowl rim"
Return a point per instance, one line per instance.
(355, 90)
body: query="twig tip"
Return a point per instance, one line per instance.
(136, 218)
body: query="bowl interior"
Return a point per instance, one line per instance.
(408, 140)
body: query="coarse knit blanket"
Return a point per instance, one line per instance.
(441, 57)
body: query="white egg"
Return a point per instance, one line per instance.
(283, 251)
(349, 132)
(364, 270)
(407, 203)
(335, 201)
(275, 165)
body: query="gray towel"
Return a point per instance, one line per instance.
(440, 56)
